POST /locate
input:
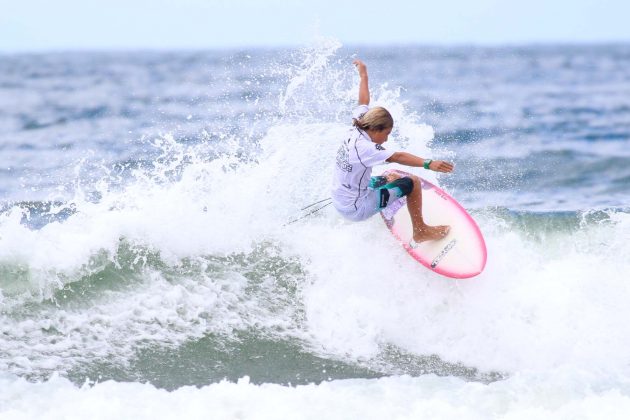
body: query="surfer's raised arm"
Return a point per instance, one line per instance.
(364, 90)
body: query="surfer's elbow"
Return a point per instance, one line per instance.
(395, 158)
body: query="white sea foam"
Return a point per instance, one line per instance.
(562, 395)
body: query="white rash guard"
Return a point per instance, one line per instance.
(355, 158)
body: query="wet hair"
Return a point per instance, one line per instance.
(377, 118)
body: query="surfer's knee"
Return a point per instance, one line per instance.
(406, 184)
(392, 176)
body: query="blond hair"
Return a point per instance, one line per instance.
(377, 118)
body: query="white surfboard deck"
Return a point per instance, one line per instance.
(461, 254)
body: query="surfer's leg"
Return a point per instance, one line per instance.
(421, 231)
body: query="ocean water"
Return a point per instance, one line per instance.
(148, 268)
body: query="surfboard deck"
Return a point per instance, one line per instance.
(460, 254)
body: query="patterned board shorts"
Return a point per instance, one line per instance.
(381, 194)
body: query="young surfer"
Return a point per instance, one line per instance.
(356, 194)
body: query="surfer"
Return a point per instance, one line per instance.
(356, 194)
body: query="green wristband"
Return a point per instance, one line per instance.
(426, 164)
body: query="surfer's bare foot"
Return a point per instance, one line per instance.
(430, 233)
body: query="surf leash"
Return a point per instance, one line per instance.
(317, 202)
(312, 211)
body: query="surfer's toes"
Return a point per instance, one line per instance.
(439, 232)
(431, 233)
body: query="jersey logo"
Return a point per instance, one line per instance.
(343, 158)
(379, 147)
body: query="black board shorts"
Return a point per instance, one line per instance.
(398, 188)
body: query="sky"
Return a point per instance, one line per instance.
(53, 25)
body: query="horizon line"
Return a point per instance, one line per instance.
(289, 46)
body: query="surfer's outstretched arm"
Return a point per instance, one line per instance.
(421, 231)
(364, 90)
(408, 159)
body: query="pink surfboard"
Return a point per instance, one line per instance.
(461, 254)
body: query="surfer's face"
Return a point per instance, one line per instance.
(380, 136)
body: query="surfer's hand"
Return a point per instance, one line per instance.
(361, 67)
(441, 166)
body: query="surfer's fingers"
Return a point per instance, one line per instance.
(360, 65)
(446, 166)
